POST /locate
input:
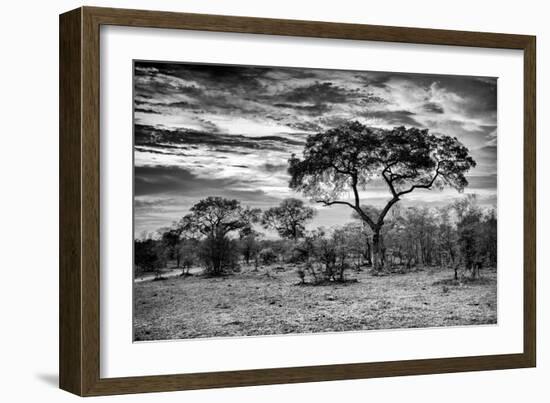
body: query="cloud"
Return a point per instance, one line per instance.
(370, 99)
(148, 135)
(165, 179)
(306, 126)
(317, 93)
(334, 120)
(376, 79)
(203, 129)
(489, 151)
(218, 77)
(313, 109)
(433, 107)
(177, 182)
(482, 182)
(268, 167)
(395, 118)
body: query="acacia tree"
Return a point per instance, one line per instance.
(171, 238)
(215, 218)
(249, 244)
(370, 211)
(348, 158)
(288, 219)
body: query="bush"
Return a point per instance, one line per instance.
(149, 257)
(268, 256)
(188, 255)
(219, 255)
(302, 275)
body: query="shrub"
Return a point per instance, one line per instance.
(268, 256)
(219, 255)
(302, 275)
(149, 256)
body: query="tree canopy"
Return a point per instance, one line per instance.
(348, 158)
(217, 216)
(289, 218)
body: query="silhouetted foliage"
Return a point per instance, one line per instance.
(326, 256)
(171, 238)
(189, 254)
(288, 219)
(214, 218)
(249, 244)
(477, 234)
(349, 157)
(268, 256)
(149, 256)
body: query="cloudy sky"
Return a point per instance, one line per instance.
(221, 130)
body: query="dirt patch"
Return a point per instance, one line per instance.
(253, 303)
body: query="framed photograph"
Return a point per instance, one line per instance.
(249, 201)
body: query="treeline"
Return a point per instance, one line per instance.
(457, 235)
(220, 235)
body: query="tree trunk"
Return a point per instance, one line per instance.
(369, 254)
(377, 250)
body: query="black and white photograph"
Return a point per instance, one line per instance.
(286, 200)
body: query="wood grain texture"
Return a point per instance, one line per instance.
(316, 29)
(80, 201)
(530, 202)
(70, 271)
(90, 202)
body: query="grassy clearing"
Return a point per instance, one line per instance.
(253, 303)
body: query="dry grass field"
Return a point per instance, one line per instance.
(269, 302)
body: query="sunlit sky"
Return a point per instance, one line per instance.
(203, 130)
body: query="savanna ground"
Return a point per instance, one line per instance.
(270, 301)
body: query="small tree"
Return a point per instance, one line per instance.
(219, 255)
(249, 245)
(170, 238)
(346, 247)
(215, 218)
(308, 252)
(470, 233)
(447, 237)
(188, 250)
(325, 256)
(149, 256)
(267, 256)
(489, 236)
(349, 157)
(288, 219)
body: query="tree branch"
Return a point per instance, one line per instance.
(340, 171)
(330, 203)
(390, 184)
(386, 209)
(359, 210)
(424, 186)
(355, 191)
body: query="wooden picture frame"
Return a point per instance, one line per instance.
(79, 348)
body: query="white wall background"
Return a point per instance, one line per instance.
(29, 199)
